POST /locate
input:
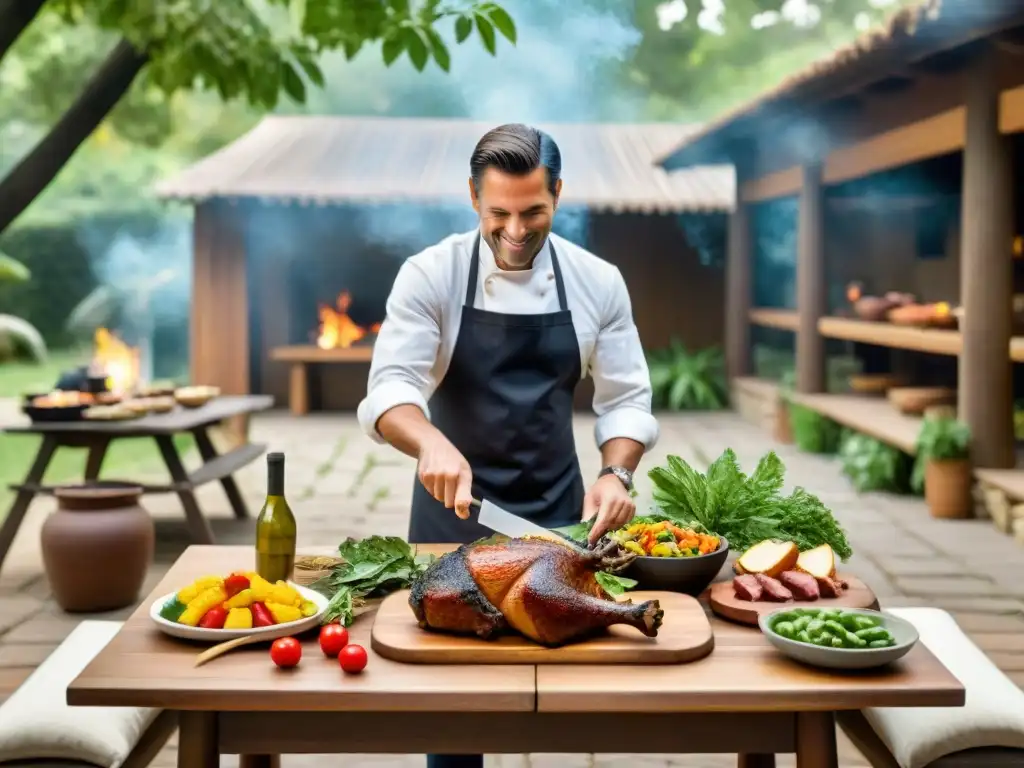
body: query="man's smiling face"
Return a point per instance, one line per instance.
(516, 212)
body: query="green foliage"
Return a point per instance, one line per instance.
(942, 438)
(872, 465)
(745, 509)
(813, 432)
(681, 380)
(18, 336)
(12, 270)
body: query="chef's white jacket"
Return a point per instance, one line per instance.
(424, 311)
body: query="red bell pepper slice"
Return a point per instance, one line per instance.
(214, 618)
(235, 583)
(261, 615)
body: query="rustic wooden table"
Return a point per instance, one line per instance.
(744, 698)
(96, 437)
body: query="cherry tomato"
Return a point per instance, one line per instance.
(286, 652)
(333, 637)
(352, 658)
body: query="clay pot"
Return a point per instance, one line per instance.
(97, 547)
(947, 488)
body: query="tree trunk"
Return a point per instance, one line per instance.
(15, 16)
(38, 168)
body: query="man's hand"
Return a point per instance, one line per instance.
(446, 475)
(609, 500)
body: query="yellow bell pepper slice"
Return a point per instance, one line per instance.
(193, 590)
(282, 593)
(198, 607)
(284, 613)
(242, 600)
(309, 608)
(238, 618)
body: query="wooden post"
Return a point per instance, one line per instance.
(810, 283)
(986, 273)
(738, 282)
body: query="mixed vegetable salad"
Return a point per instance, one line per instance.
(242, 600)
(664, 539)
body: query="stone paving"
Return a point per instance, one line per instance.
(342, 484)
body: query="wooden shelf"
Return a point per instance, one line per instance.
(935, 340)
(308, 353)
(1009, 481)
(872, 416)
(766, 317)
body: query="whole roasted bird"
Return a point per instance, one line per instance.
(544, 589)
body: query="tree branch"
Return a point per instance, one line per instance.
(41, 165)
(15, 16)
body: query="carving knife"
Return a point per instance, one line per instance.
(498, 520)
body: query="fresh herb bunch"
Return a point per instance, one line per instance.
(372, 568)
(745, 509)
(872, 465)
(941, 439)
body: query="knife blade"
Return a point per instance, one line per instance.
(501, 521)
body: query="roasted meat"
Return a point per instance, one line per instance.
(774, 590)
(543, 589)
(802, 585)
(747, 587)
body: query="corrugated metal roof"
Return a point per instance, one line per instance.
(385, 160)
(924, 28)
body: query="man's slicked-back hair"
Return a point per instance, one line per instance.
(516, 149)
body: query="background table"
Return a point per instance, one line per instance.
(743, 698)
(96, 437)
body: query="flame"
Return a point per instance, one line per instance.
(116, 360)
(941, 309)
(337, 329)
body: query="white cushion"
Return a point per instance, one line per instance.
(992, 717)
(36, 721)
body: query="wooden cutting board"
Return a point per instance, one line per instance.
(724, 602)
(685, 635)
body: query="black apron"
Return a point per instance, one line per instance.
(506, 403)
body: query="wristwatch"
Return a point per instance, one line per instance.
(624, 475)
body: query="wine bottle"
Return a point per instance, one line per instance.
(275, 527)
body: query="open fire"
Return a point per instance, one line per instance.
(337, 329)
(116, 360)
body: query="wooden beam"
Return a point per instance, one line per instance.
(738, 292)
(985, 392)
(932, 137)
(810, 283)
(780, 184)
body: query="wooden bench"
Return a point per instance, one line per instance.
(988, 732)
(302, 356)
(39, 730)
(871, 416)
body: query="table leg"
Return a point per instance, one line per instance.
(259, 761)
(197, 740)
(198, 525)
(816, 740)
(209, 453)
(94, 460)
(24, 497)
(755, 761)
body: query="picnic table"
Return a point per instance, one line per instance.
(96, 437)
(743, 698)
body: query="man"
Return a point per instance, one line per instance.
(485, 338)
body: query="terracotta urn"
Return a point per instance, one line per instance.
(947, 488)
(97, 547)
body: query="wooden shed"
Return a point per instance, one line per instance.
(302, 224)
(923, 120)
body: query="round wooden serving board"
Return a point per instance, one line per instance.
(685, 635)
(724, 602)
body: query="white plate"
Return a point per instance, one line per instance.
(185, 632)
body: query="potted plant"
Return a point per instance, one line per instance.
(783, 428)
(943, 466)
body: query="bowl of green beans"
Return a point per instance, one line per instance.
(839, 638)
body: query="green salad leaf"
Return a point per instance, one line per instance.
(372, 567)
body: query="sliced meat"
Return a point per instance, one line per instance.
(802, 585)
(774, 590)
(830, 587)
(747, 587)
